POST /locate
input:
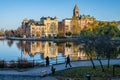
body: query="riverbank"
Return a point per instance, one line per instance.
(44, 39)
(2, 38)
(37, 71)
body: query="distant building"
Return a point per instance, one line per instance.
(2, 32)
(46, 27)
(119, 24)
(60, 29)
(76, 23)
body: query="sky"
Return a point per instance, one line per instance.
(12, 12)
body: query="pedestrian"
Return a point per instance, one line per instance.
(47, 61)
(68, 61)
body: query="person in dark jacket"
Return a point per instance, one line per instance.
(68, 61)
(47, 61)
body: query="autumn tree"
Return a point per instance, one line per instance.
(19, 32)
(75, 27)
(101, 29)
(9, 33)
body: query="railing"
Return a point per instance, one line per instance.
(24, 63)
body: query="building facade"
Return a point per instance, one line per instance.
(119, 25)
(78, 22)
(46, 27)
(50, 27)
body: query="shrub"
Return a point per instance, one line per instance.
(2, 64)
(12, 64)
(23, 63)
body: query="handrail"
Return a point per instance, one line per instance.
(33, 62)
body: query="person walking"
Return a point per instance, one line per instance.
(47, 61)
(68, 61)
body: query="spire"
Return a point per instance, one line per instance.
(76, 11)
(76, 7)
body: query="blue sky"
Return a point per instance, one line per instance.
(12, 12)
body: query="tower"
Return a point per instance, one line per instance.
(76, 11)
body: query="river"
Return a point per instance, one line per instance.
(38, 51)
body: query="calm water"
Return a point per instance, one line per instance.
(31, 50)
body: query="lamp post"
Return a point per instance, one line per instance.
(88, 76)
(21, 55)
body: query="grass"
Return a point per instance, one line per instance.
(116, 38)
(81, 72)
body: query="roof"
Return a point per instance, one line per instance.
(44, 18)
(76, 7)
(86, 16)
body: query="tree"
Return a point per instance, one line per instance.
(8, 33)
(20, 32)
(101, 29)
(75, 28)
(68, 33)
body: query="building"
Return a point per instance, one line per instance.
(46, 27)
(119, 24)
(2, 34)
(60, 29)
(78, 22)
(50, 27)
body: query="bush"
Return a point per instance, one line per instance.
(23, 63)
(12, 64)
(2, 64)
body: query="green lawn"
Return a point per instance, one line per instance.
(80, 72)
(116, 38)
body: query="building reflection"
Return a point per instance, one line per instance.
(44, 48)
(75, 53)
(52, 50)
(10, 43)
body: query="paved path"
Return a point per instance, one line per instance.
(38, 71)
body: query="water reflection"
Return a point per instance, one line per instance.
(52, 49)
(45, 48)
(10, 43)
(97, 49)
(76, 51)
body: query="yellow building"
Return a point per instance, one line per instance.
(51, 26)
(46, 27)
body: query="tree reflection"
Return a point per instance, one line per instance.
(24, 46)
(89, 49)
(10, 43)
(92, 48)
(103, 47)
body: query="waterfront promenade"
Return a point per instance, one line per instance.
(44, 39)
(37, 72)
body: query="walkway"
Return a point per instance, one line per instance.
(38, 71)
